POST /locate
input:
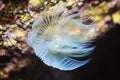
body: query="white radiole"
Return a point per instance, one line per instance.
(59, 36)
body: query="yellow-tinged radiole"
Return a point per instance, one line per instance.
(59, 36)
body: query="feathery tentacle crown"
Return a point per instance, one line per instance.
(59, 35)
